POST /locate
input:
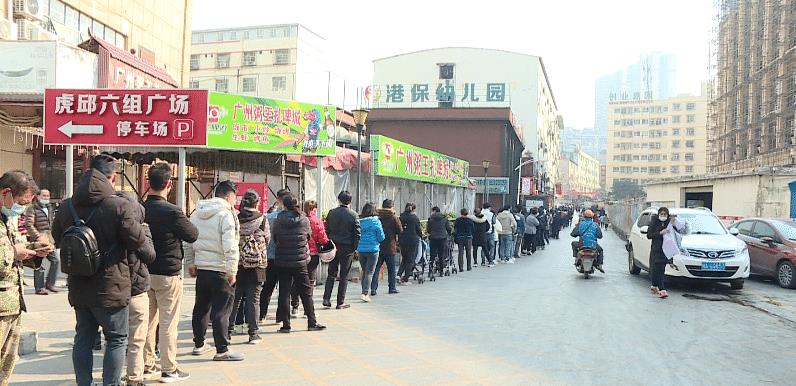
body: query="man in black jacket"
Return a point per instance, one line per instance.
(170, 227)
(439, 228)
(342, 224)
(103, 298)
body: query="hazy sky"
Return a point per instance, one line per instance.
(577, 40)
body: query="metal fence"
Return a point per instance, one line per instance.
(623, 214)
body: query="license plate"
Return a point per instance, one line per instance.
(712, 266)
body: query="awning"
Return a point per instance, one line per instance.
(344, 159)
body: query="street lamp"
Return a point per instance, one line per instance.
(360, 117)
(485, 164)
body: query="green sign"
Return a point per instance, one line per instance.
(402, 160)
(239, 122)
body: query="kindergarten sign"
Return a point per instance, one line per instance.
(402, 160)
(240, 122)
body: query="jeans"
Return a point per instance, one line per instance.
(340, 265)
(506, 247)
(312, 267)
(214, 298)
(114, 322)
(391, 282)
(248, 295)
(658, 274)
(465, 247)
(517, 244)
(52, 274)
(367, 260)
(492, 249)
(438, 253)
(301, 278)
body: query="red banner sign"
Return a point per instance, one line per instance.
(260, 187)
(125, 117)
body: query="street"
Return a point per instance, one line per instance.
(534, 322)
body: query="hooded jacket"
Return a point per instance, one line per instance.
(117, 231)
(319, 236)
(481, 228)
(170, 228)
(216, 248)
(252, 222)
(144, 256)
(531, 222)
(463, 229)
(372, 234)
(411, 232)
(392, 227)
(439, 227)
(508, 224)
(290, 234)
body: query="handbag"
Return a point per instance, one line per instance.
(327, 251)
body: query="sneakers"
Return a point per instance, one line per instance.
(654, 290)
(255, 339)
(316, 327)
(343, 306)
(42, 292)
(294, 312)
(240, 329)
(372, 293)
(284, 330)
(229, 356)
(663, 294)
(365, 298)
(490, 265)
(327, 304)
(175, 376)
(395, 291)
(203, 349)
(510, 261)
(149, 373)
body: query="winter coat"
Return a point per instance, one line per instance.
(271, 217)
(439, 227)
(38, 221)
(216, 248)
(253, 223)
(342, 224)
(543, 221)
(411, 233)
(116, 230)
(520, 219)
(170, 228)
(490, 217)
(392, 228)
(463, 229)
(291, 233)
(583, 226)
(481, 229)
(372, 235)
(143, 257)
(507, 223)
(654, 234)
(531, 222)
(318, 231)
(12, 301)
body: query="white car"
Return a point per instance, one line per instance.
(709, 251)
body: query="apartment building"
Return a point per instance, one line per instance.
(578, 173)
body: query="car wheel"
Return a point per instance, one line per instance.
(631, 262)
(737, 284)
(786, 275)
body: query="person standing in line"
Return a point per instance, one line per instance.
(170, 229)
(254, 237)
(531, 224)
(319, 238)
(213, 261)
(372, 236)
(102, 299)
(409, 241)
(508, 227)
(38, 222)
(343, 226)
(439, 229)
(519, 218)
(270, 278)
(481, 237)
(463, 229)
(491, 217)
(17, 190)
(290, 234)
(389, 247)
(541, 229)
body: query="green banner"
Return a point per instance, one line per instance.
(247, 123)
(402, 160)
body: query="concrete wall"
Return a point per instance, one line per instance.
(14, 151)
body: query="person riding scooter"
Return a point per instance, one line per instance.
(588, 232)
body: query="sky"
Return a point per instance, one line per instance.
(578, 41)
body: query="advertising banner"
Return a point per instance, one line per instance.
(527, 186)
(497, 185)
(260, 187)
(402, 160)
(248, 123)
(27, 66)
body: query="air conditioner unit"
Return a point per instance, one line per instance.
(23, 26)
(7, 30)
(37, 32)
(29, 9)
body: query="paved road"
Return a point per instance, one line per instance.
(534, 322)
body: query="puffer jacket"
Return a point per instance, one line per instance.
(216, 248)
(290, 234)
(38, 222)
(319, 236)
(531, 222)
(392, 228)
(439, 227)
(508, 224)
(481, 228)
(144, 256)
(411, 233)
(252, 222)
(116, 230)
(463, 228)
(372, 235)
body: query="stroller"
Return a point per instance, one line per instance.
(421, 261)
(450, 264)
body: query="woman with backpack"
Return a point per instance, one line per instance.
(372, 234)
(254, 237)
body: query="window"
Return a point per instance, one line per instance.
(278, 83)
(675, 131)
(249, 84)
(72, 18)
(745, 228)
(675, 157)
(763, 230)
(616, 170)
(690, 118)
(249, 58)
(675, 144)
(222, 85)
(222, 61)
(689, 169)
(194, 62)
(689, 156)
(690, 132)
(689, 144)
(676, 107)
(446, 71)
(282, 56)
(690, 106)
(675, 169)
(193, 84)
(57, 10)
(98, 29)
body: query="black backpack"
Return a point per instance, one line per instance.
(80, 255)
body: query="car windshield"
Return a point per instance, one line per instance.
(702, 224)
(787, 228)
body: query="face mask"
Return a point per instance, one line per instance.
(44, 202)
(663, 218)
(16, 210)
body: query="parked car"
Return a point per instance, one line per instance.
(772, 248)
(709, 251)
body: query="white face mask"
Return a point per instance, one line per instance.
(663, 218)
(44, 202)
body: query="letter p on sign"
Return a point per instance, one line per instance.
(183, 129)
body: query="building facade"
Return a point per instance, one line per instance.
(582, 174)
(655, 139)
(461, 78)
(653, 76)
(589, 140)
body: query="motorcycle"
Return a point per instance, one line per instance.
(586, 261)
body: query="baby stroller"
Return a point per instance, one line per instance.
(421, 261)
(450, 265)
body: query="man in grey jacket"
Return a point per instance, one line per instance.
(529, 238)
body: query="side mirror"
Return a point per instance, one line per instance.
(768, 240)
(644, 229)
(734, 231)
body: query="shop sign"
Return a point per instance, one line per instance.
(497, 185)
(402, 160)
(260, 187)
(527, 185)
(248, 123)
(533, 204)
(442, 91)
(125, 117)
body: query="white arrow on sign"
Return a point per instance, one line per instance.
(70, 129)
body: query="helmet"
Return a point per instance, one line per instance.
(588, 213)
